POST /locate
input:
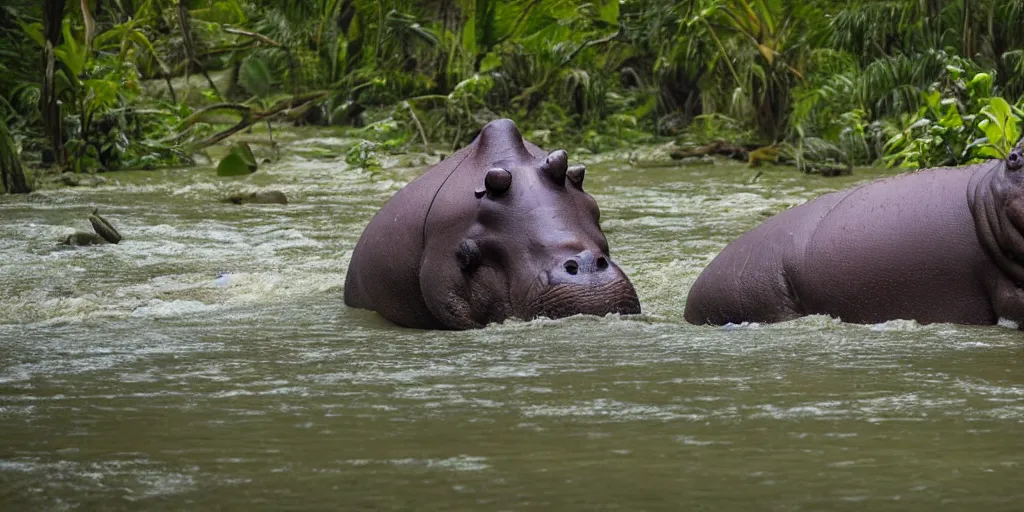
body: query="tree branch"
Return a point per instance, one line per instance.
(245, 110)
(604, 40)
(255, 117)
(259, 37)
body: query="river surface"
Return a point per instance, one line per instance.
(140, 376)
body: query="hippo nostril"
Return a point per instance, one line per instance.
(572, 267)
(602, 263)
(1014, 161)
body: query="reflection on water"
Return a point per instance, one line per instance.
(208, 362)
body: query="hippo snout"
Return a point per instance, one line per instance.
(588, 283)
(586, 267)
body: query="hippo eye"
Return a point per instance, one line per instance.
(496, 182)
(1014, 161)
(576, 174)
(468, 255)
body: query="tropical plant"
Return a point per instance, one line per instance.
(899, 82)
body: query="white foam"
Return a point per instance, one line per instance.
(157, 308)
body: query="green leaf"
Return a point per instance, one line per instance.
(232, 165)
(648, 106)
(34, 31)
(70, 53)
(239, 162)
(997, 109)
(490, 62)
(100, 94)
(1000, 125)
(109, 38)
(933, 99)
(469, 36)
(485, 16)
(229, 11)
(608, 11)
(355, 29)
(981, 85)
(952, 118)
(255, 76)
(989, 152)
(920, 123)
(140, 39)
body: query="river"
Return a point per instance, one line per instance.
(208, 362)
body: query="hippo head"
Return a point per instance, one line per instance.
(530, 246)
(995, 198)
(1015, 160)
(1008, 193)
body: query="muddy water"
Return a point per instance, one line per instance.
(137, 376)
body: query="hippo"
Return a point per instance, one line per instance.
(500, 229)
(941, 245)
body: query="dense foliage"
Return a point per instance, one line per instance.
(107, 84)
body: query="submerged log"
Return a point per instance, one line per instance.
(104, 228)
(105, 233)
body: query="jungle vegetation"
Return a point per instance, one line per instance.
(93, 85)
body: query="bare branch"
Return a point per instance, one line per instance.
(277, 108)
(259, 37)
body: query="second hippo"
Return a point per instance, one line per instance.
(939, 245)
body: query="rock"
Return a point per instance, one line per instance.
(81, 180)
(263, 197)
(829, 168)
(82, 238)
(223, 279)
(758, 156)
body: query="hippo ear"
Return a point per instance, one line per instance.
(1015, 160)
(556, 165)
(576, 174)
(496, 182)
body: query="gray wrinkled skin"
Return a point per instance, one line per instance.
(498, 230)
(938, 245)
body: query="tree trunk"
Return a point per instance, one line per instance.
(967, 32)
(53, 15)
(12, 177)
